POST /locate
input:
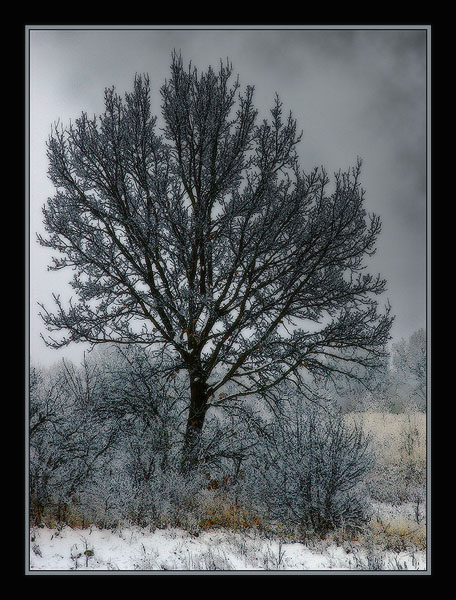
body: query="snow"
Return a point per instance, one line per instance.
(132, 548)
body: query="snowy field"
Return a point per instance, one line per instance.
(136, 549)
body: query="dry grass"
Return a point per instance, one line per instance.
(228, 516)
(396, 534)
(399, 445)
(58, 514)
(395, 437)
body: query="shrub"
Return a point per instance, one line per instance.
(310, 468)
(106, 446)
(106, 440)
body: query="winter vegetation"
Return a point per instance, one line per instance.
(329, 487)
(240, 408)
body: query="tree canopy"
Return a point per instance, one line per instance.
(204, 240)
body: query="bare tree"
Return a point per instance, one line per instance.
(409, 374)
(205, 241)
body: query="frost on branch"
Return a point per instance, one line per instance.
(206, 239)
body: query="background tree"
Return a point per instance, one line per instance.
(409, 371)
(207, 243)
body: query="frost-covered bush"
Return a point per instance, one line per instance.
(309, 469)
(107, 437)
(70, 438)
(145, 481)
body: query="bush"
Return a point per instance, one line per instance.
(106, 442)
(310, 468)
(106, 446)
(70, 440)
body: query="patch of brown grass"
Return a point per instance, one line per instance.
(57, 514)
(228, 516)
(397, 535)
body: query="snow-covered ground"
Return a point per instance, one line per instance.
(133, 549)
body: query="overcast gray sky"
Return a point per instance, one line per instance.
(354, 93)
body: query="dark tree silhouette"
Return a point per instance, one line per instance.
(205, 241)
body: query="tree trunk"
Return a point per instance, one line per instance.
(196, 415)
